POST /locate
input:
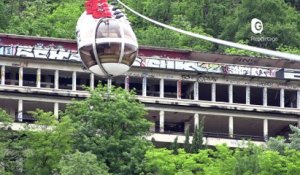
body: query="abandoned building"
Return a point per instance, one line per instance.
(235, 97)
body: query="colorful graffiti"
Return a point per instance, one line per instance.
(59, 53)
(205, 67)
(39, 52)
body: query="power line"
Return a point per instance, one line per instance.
(272, 53)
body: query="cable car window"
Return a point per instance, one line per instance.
(130, 53)
(109, 52)
(108, 29)
(87, 56)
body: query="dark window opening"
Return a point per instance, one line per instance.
(187, 90)
(65, 80)
(239, 94)
(82, 80)
(174, 127)
(170, 89)
(222, 93)
(290, 99)
(153, 87)
(119, 82)
(273, 97)
(11, 75)
(136, 84)
(29, 77)
(47, 79)
(205, 92)
(256, 96)
(29, 80)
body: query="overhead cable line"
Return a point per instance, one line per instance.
(274, 54)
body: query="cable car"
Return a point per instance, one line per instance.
(106, 42)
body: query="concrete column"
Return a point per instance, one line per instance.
(230, 127)
(298, 99)
(20, 110)
(38, 78)
(144, 86)
(127, 83)
(265, 96)
(56, 109)
(92, 81)
(266, 133)
(230, 93)
(56, 79)
(74, 82)
(196, 91)
(248, 91)
(162, 121)
(2, 75)
(282, 98)
(298, 123)
(179, 84)
(213, 92)
(196, 121)
(161, 88)
(21, 76)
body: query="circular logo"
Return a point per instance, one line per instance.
(257, 26)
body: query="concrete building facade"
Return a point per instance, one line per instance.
(235, 97)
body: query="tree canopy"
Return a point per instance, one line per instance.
(104, 134)
(227, 19)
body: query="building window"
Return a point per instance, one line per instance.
(222, 93)
(239, 94)
(204, 91)
(256, 96)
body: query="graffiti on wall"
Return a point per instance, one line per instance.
(39, 52)
(205, 67)
(59, 53)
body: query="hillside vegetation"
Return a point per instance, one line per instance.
(226, 19)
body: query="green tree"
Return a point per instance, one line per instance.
(279, 19)
(223, 162)
(82, 164)
(247, 160)
(277, 144)
(5, 119)
(272, 163)
(289, 49)
(111, 126)
(174, 146)
(295, 138)
(63, 19)
(197, 142)
(235, 51)
(187, 146)
(46, 18)
(11, 153)
(46, 143)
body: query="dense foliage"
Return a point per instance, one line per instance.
(223, 161)
(103, 134)
(227, 19)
